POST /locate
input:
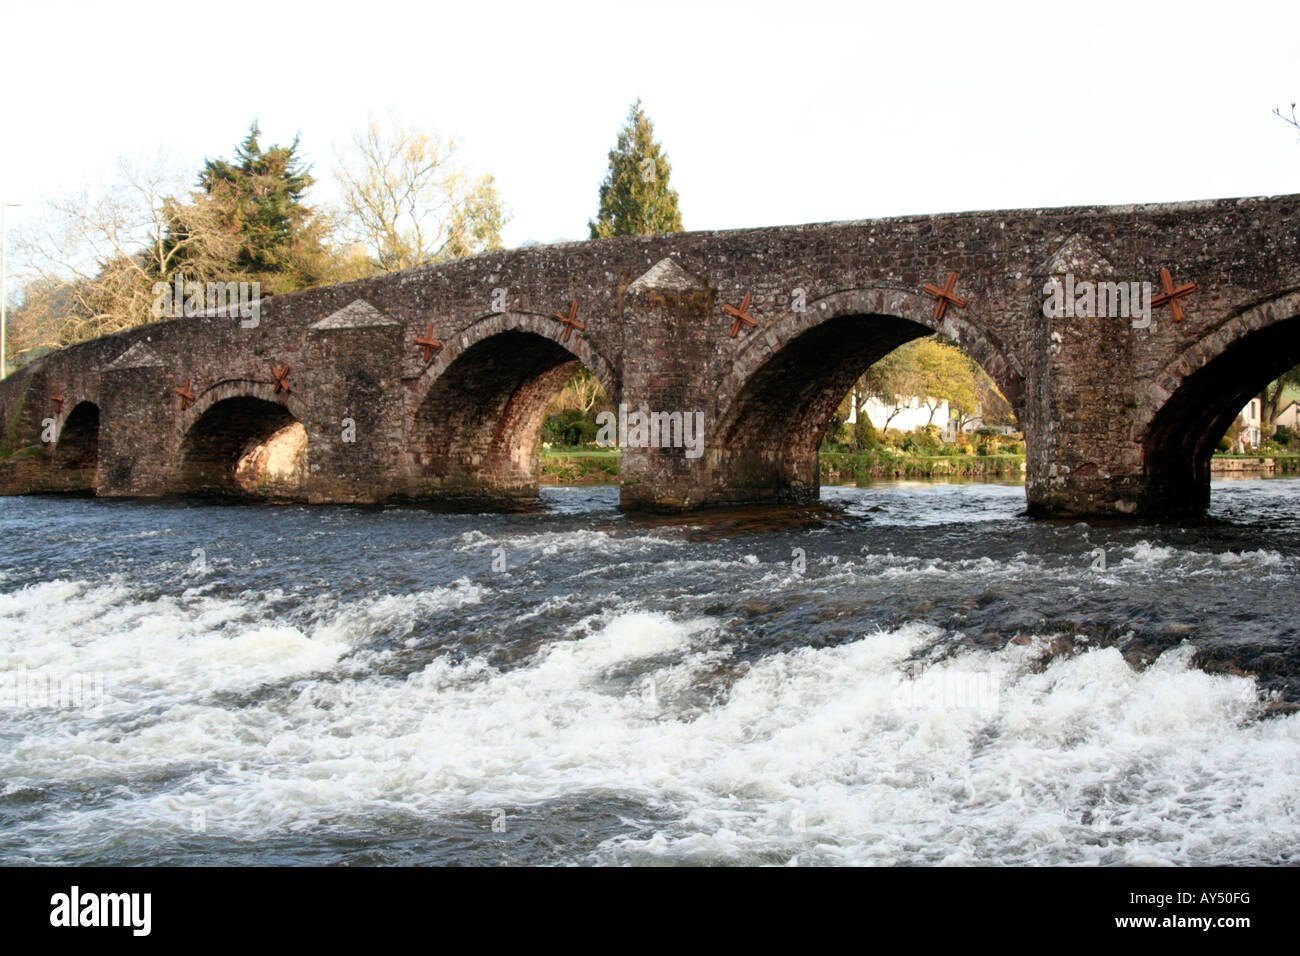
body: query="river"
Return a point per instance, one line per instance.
(911, 673)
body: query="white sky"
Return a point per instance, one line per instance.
(770, 113)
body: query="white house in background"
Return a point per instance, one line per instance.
(912, 414)
(1251, 424)
(1289, 416)
(915, 413)
(974, 424)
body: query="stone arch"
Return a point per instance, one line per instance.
(787, 380)
(544, 326)
(475, 428)
(884, 302)
(241, 439)
(71, 403)
(236, 388)
(1198, 394)
(1221, 336)
(74, 459)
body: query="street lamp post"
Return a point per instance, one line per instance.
(4, 288)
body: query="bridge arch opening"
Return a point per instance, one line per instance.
(768, 442)
(245, 447)
(477, 434)
(1180, 442)
(75, 457)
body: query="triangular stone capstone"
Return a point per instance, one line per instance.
(358, 314)
(666, 276)
(1077, 256)
(137, 356)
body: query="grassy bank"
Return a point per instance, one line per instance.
(598, 466)
(582, 466)
(578, 466)
(842, 467)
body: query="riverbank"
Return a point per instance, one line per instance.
(1255, 464)
(842, 467)
(600, 467)
(583, 467)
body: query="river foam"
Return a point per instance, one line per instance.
(878, 750)
(910, 675)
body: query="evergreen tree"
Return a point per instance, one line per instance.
(258, 202)
(635, 198)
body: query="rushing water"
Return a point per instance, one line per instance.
(942, 681)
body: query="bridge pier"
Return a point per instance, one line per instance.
(137, 446)
(1058, 491)
(668, 313)
(355, 437)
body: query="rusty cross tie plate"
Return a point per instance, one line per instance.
(187, 397)
(428, 343)
(945, 295)
(1171, 295)
(739, 315)
(281, 378)
(57, 399)
(570, 321)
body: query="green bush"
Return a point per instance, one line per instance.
(864, 434)
(923, 441)
(570, 428)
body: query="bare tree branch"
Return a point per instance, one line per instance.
(408, 202)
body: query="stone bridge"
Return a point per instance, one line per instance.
(1117, 418)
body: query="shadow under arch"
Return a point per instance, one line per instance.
(244, 446)
(1178, 443)
(765, 447)
(476, 432)
(543, 326)
(74, 461)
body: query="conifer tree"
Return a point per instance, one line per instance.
(635, 198)
(258, 202)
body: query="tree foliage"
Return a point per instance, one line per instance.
(1270, 399)
(930, 370)
(259, 199)
(582, 392)
(635, 198)
(90, 259)
(88, 263)
(571, 416)
(407, 200)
